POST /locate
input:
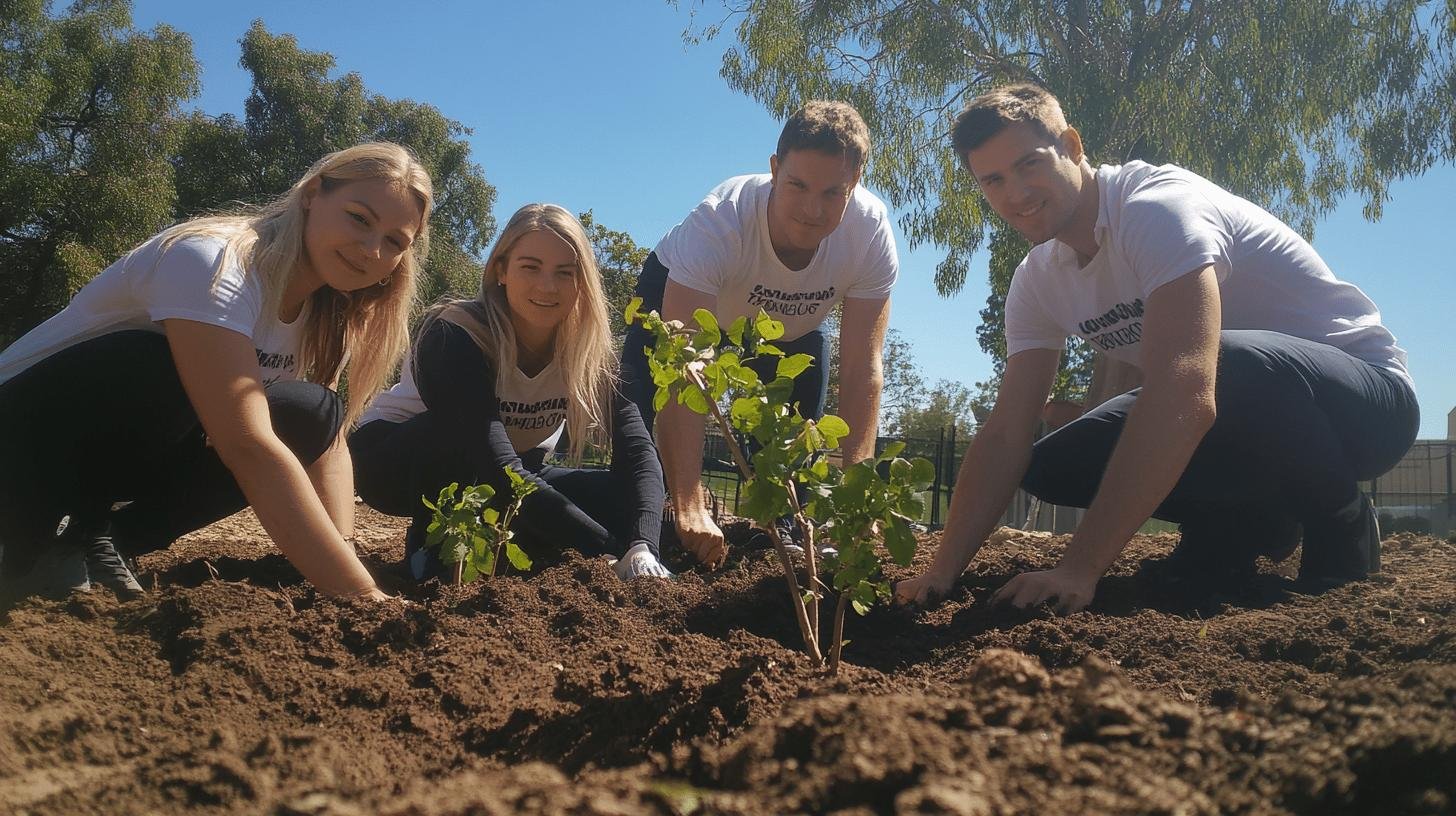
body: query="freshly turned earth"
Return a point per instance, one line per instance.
(235, 688)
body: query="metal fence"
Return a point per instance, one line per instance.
(1416, 495)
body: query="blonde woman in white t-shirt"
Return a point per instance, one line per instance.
(494, 381)
(196, 376)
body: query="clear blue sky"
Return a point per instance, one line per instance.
(601, 106)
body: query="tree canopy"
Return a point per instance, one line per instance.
(296, 113)
(87, 106)
(1290, 103)
(96, 153)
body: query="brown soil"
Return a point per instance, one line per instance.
(234, 688)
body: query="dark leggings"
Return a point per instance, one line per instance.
(107, 421)
(398, 463)
(810, 388)
(1299, 425)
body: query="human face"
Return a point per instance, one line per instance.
(811, 190)
(356, 234)
(540, 279)
(1034, 182)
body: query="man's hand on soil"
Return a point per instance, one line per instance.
(1072, 590)
(702, 537)
(925, 589)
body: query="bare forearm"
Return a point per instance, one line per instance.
(332, 476)
(1158, 439)
(280, 492)
(988, 478)
(680, 439)
(859, 407)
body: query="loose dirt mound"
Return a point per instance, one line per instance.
(234, 688)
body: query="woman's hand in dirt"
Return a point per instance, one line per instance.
(1072, 589)
(925, 589)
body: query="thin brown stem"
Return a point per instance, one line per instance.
(806, 630)
(838, 646)
(728, 437)
(811, 643)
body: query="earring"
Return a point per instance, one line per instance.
(387, 279)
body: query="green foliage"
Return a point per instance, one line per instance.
(87, 105)
(468, 529)
(619, 258)
(1290, 103)
(698, 369)
(851, 508)
(296, 113)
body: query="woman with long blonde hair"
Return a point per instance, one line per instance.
(494, 381)
(196, 376)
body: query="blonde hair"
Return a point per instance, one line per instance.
(583, 341)
(268, 242)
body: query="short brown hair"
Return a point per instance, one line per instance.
(987, 114)
(828, 127)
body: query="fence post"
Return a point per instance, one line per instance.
(935, 486)
(950, 467)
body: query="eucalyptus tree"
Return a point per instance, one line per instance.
(1293, 104)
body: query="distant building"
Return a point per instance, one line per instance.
(1451, 425)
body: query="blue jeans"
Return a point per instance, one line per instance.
(1299, 425)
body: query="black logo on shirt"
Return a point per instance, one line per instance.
(533, 416)
(279, 364)
(792, 304)
(1107, 330)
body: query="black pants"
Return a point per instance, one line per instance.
(810, 388)
(1299, 425)
(107, 421)
(398, 463)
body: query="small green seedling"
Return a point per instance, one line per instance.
(704, 369)
(471, 535)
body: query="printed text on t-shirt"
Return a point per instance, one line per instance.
(547, 413)
(1119, 326)
(777, 301)
(279, 363)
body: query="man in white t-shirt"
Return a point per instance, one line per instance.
(1270, 388)
(794, 242)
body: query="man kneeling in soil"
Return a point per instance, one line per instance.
(1270, 388)
(794, 242)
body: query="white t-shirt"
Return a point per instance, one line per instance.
(1156, 224)
(149, 285)
(722, 248)
(533, 409)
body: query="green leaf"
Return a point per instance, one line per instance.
(632, 306)
(659, 400)
(768, 328)
(793, 365)
(860, 609)
(735, 330)
(833, 428)
(899, 539)
(922, 473)
(694, 399)
(517, 556)
(892, 450)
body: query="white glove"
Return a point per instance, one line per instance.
(639, 560)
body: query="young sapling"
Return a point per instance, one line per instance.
(700, 370)
(470, 535)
